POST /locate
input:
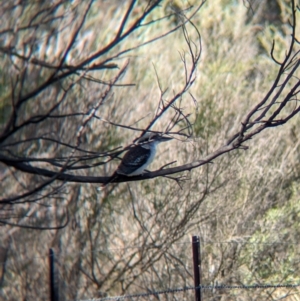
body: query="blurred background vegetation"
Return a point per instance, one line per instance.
(136, 237)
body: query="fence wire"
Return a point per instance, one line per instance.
(188, 288)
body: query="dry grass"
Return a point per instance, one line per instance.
(136, 236)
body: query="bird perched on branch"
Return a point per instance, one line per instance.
(140, 156)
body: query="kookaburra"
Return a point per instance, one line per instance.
(137, 158)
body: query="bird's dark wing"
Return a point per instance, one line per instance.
(133, 159)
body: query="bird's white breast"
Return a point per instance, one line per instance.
(152, 147)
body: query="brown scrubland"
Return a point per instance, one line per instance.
(81, 80)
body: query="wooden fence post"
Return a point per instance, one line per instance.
(53, 283)
(197, 267)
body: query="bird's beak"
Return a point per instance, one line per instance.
(165, 138)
